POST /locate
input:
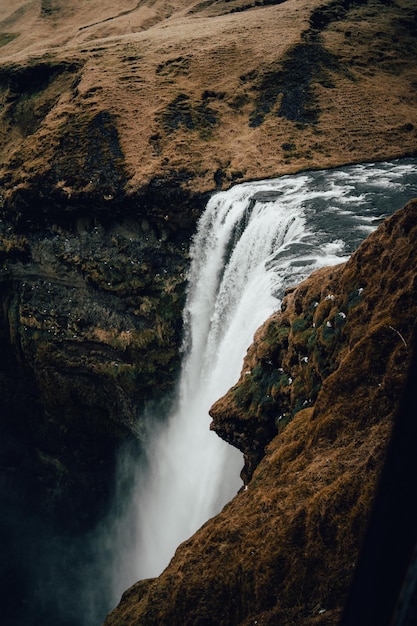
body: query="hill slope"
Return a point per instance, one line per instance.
(209, 93)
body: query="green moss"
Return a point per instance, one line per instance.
(327, 332)
(339, 321)
(277, 336)
(312, 339)
(354, 298)
(282, 332)
(259, 388)
(282, 421)
(6, 38)
(299, 324)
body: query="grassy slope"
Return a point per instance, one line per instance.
(217, 92)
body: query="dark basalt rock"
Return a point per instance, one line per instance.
(90, 331)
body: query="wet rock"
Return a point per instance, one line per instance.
(92, 315)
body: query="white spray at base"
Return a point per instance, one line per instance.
(252, 242)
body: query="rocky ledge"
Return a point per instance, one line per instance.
(313, 413)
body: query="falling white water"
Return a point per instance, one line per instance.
(252, 242)
(233, 282)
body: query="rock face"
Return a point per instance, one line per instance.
(117, 120)
(90, 328)
(313, 412)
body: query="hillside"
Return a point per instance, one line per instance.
(202, 93)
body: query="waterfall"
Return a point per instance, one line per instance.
(233, 287)
(231, 292)
(251, 243)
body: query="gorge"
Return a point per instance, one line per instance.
(119, 122)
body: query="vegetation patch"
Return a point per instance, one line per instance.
(90, 155)
(293, 82)
(299, 325)
(182, 112)
(34, 77)
(49, 7)
(6, 38)
(354, 298)
(178, 66)
(29, 92)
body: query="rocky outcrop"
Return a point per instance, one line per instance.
(90, 329)
(313, 412)
(91, 316)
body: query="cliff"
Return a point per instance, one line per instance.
(117, 121)
(313, 412)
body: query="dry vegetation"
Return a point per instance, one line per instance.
(220, 91)
(283, 551)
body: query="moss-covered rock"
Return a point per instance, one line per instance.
(300, 347)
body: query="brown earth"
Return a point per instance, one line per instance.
(215, 91)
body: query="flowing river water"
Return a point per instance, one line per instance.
(252, 242)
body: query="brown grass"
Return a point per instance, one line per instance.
(138, 59)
